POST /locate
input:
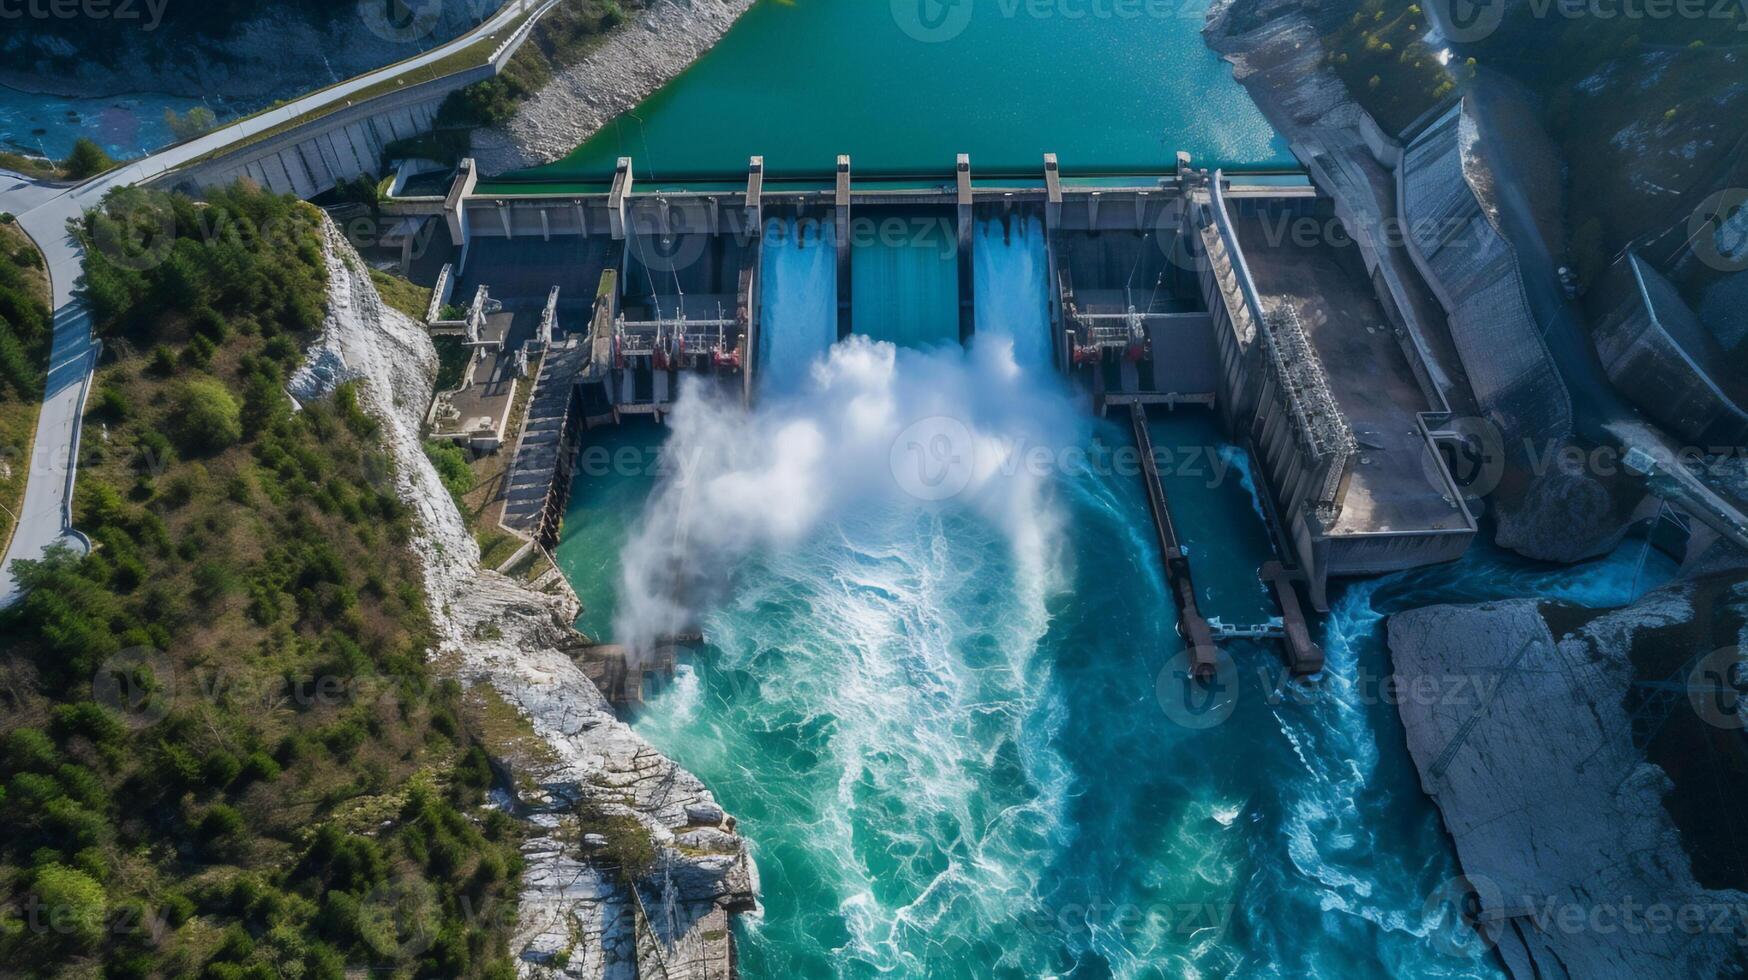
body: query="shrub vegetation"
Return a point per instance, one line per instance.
(222, 751)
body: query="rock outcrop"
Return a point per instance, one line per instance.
(632, 867)
(637, 57)
(1559, 774)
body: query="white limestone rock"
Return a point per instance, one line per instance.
(575, 920)
(638, 57)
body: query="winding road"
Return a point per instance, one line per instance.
(43, 210)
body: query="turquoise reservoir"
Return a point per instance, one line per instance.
(904, 85)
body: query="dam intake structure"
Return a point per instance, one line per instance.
(1152, 293)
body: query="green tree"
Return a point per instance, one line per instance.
(207, 418)
(195, 122)
(73, 904)
(87, 159)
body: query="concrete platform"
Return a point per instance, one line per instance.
(1396, 480)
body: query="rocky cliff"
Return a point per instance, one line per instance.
(636, 58)
(1593, 788)
(632, 868)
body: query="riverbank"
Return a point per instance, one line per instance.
(594, 793)
(628, 64)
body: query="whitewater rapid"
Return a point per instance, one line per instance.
(933, 702)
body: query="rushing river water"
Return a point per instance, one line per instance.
(944, 710)
(943, 728)
(946, 718)
(904, 85)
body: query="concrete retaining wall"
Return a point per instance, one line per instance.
(309, 159)
(1473, 271)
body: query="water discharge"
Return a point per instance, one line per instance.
(936, 714)
(905, 270)
(875, 431)
(798, 322)
(1013, 286)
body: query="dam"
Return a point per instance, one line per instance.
(1155, 293)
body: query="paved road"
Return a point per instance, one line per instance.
(43, 210)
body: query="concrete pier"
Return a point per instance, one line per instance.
(965, 221)
(1191, 624)
(841, 203)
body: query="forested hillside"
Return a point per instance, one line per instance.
(222, 750)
